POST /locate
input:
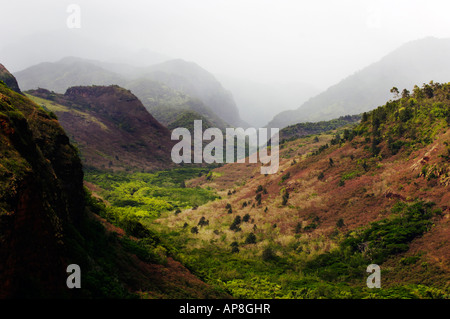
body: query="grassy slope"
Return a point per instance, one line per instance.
(399, 153)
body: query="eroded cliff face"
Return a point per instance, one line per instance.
(41, 192)
(111, 127)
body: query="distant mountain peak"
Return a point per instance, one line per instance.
(419, 61)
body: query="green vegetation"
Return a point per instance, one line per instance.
(302, 129)
(373, 245)
(147, 195)
(414, 120)
(235, 256)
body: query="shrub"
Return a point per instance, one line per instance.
(203, 222)
(298, 228)
(321, 176)
(285, 198)
(285, 177)
(251, 239)
(258, 198)
(330, 162)
(235, 225)
(268, 254)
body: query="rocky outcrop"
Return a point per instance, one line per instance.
(9, 79)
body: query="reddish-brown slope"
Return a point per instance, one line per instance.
(112, 128)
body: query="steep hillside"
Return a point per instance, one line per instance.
(110, 126)
(9, 79)
(41, 192)
(167, 104)
(48, 221)
(412, 63)
(195, 81)
(296, 131)
(377, 192)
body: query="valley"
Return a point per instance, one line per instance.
(87, 172)
(341, 200)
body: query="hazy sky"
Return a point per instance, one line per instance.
(319, 42)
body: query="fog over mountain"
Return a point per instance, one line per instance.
(414, 63)
(110, 185)
(263, 45)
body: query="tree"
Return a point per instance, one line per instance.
(234, 247)
(395, 91)
(285, 197)
(203, 222)
(194, 230)
(340, 223)
(365, 117)
(235, 225)
(321, 176)
(268, 254)
(405, 94)
(258, 198)
(251, 239)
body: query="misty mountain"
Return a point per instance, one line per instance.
(165, 89)
(415, 62)
(167, 104)
(67, 72)
(195, 81)
(53, 45)
(258, 102)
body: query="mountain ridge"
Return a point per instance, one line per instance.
(175, 83)
(412, 63)
(110, 126)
